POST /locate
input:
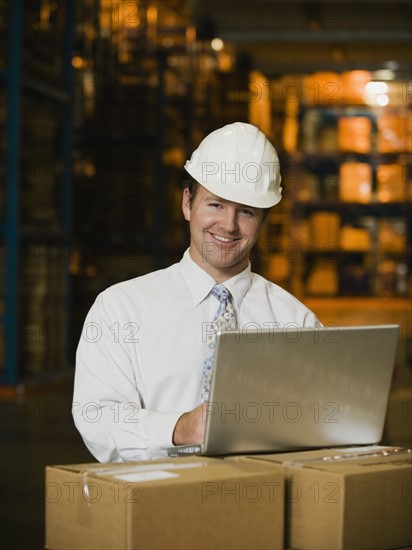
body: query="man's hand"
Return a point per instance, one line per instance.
(190, 428)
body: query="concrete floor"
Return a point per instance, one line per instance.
(36, 430)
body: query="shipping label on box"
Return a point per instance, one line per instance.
(346, 498)
(181, 503)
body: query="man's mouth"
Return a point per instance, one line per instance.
(223, 239)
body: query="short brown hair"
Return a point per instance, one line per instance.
(192, 185)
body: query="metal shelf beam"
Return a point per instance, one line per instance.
(11, 228)
(16, 84)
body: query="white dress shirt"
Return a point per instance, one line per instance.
(140, 357)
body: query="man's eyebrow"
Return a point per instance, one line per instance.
(214, 198)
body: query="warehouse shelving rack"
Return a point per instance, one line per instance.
(311, 156)
(141, 115)
(367, 281)
(16, 86)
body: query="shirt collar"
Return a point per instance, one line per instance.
(200, 283)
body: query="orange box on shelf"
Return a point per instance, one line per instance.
(354, 134)
(391, 183)
(322, 88)
(324, 230)
(392, 236)
(355, 182)
(353, 86)
(323, 280)
(394, 133)
(355, 239)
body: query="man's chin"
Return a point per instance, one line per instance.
(227, 263)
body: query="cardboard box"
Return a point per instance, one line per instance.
(323, 279)
(391, 183)
(392, 235)
(346, 498)
(353, 86)
(355, 239)
(398, 423)
(324, 231)
(354, 134)
(355, 182)
(322, 88)
(183, 503)
(394, 134)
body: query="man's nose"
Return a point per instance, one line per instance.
(230, 222)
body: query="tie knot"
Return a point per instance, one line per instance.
(221, 293)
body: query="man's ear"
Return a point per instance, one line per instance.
(186, 204)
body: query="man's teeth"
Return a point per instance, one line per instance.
(223, 239)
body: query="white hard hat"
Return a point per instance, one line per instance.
(239, 164)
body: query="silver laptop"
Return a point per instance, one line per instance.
(290, 389)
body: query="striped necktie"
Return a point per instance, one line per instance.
(224, 319)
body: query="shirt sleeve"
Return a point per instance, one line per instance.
(311, 321)
(108, 407)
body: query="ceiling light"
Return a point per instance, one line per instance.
(382, 100)
(384, 74)
(217, 44)
(374, 87)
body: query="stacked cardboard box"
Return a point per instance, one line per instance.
(323, 278)
(326, 88)
(322, 88)
(345, 499)
(394, 133)
(325, 499)
(324, 230)
(355, 182)
(353, 86)
(392, 235)
(398, 425)
(391, 183)
(260, 102)
(355, 239)
(184, 503)
(354, 134)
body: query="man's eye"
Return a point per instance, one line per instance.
(248, 212)
(215, 204)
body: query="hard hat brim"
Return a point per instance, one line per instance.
(238, 194)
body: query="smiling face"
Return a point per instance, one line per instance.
(222, 232)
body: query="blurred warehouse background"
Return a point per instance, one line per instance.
(101, 103)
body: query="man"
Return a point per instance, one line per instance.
(140, 360)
